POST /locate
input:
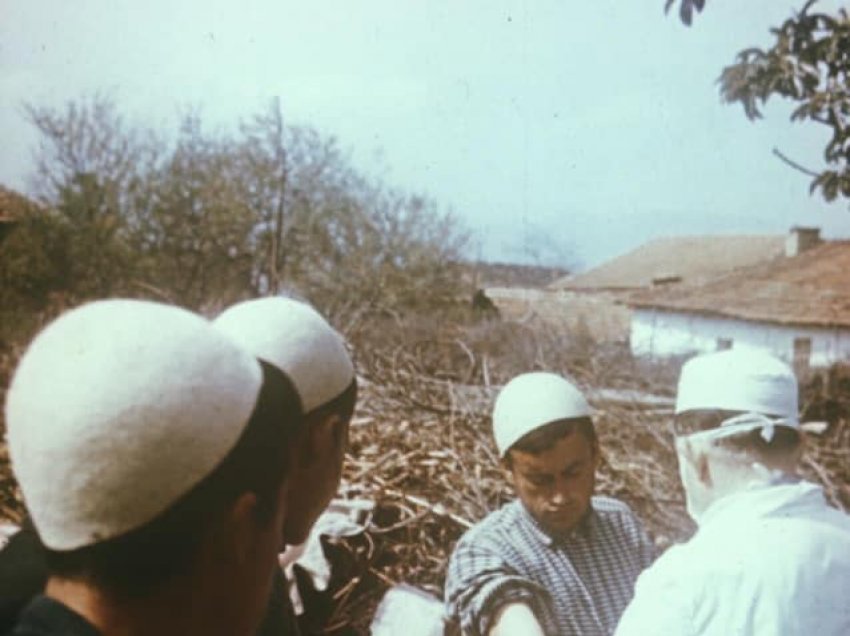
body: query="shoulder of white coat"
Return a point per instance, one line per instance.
(669, 572)
(663, 601)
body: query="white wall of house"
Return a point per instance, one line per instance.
(659, 333)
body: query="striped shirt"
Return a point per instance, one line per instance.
(575, 584)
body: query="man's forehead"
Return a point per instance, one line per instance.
(563, 452)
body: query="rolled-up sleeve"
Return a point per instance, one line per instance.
(480, 582)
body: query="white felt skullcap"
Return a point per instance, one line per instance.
(116, 410)
(295, 338)
(532, 400)
(739, 380)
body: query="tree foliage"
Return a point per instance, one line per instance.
(206, 217)
(686, 9)
(809, 64)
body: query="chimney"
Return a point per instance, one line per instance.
(665, 279)
(800, 239)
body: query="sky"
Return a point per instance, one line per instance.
(557, 131)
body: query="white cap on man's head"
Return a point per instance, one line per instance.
(739, 380)
(296, 339)
(119, 408)
(532, 400)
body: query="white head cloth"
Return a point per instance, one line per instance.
(119, 408)
(532, 400)
(295, 338)
(755, 383)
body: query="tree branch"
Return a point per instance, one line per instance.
(794, 164)
(820, 120)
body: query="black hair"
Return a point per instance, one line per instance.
(542, 438)
(135, 563)
(785, 440)
(341, 406)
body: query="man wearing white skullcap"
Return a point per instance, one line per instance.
(296, 339)
(769, 556)
(152, 454)
(558, 560)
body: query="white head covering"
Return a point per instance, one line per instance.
(740, 380)
(532, 400)
(292, 336)
(116, 410)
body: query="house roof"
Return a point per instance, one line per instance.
(811, 289)
(689, 259)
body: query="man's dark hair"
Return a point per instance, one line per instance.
(135, 563)
(342, 405)
(785, 440)
(545, 436)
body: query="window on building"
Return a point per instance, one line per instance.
(802, 354)
(724, 343)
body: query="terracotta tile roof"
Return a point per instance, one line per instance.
(811, 289)
(690, 259)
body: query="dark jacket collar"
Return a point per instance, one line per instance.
(45, 615)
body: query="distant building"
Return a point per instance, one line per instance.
(796, 306)
(672, 261)
(597, 297)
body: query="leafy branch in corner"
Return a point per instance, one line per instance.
(686, 9)
(809, 63)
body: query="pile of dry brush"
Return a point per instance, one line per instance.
(421, 447)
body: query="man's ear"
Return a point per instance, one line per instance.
(508, 469)
(698, 460)
(796, 456)
(338, 428)
(241, 526)
(597, 453)
(324, 433)
(703, 469)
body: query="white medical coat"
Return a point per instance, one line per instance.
(773, 560)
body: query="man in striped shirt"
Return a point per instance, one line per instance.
(557, 561)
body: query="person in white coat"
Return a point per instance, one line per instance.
(770, 556)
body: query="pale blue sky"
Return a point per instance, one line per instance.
(575, 130)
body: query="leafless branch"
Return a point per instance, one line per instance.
(794, 164)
